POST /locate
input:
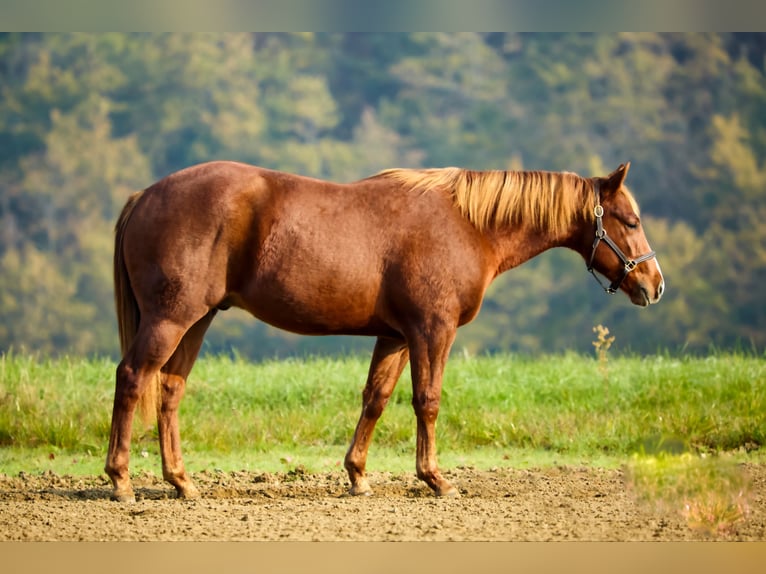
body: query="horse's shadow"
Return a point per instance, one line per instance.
(96, 493)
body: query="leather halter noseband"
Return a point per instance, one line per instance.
(628, 264)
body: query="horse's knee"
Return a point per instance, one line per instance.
(426, 406)
(172, 386)
(375, 404)
(128, 388)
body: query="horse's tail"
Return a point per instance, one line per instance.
(128, 313)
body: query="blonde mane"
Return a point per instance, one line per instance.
(550, 201)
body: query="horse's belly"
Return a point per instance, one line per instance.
(316, 307)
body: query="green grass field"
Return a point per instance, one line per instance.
(502, 410)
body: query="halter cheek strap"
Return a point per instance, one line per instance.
(628, 264)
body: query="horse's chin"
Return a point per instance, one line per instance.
(639, 297)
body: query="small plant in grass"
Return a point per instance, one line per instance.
(709, 493)
(716, 512)
(602, 344)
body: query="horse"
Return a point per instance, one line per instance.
(405, 256)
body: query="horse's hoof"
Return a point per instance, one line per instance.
(355, 492)
(449, 492)
(362, 489)
(189, 493)
(127, 497)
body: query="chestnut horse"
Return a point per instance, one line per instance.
(404, 256)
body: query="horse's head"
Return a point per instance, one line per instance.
(616, 246)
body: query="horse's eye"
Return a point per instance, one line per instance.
(632, 225)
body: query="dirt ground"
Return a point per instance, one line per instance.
(563, 503)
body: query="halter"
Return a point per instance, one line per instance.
(628, 264)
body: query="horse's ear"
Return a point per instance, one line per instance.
(613, 181)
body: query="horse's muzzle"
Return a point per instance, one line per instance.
(644, 294)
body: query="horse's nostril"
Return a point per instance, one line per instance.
(661, 289)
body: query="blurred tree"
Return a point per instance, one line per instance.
(736, 262)
(60, 201)
(452, 105)
(85, 119)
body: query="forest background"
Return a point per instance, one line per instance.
(86, 119)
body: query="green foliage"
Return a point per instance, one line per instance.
(711, 493)
(504, 403)
(54, 402)
(85, 119)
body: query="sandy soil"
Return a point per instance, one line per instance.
(498, 505)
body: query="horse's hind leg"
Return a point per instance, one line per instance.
(154, 344)
(174, 375)
(388, 361)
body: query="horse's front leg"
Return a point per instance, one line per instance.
(388, 361)
(429, 356)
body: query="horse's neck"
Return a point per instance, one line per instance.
(512, 247)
